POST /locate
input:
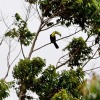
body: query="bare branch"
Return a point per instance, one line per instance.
(64, 63)
(28, 12)
(1, 40)
(34, 41)
(90, 58)
(9, 52)
(22, 50)
(4, 21)
(60, 59)
(92, 69)
(8, 58)
(11, 65)
(40, 17)
(8, 27)
(56, 40)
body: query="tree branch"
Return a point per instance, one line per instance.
(34, 41)
(56, 40)
(11, 64)
(1, 40)
(22, 50)
(60, 59)
(92, 69)
(90, 58)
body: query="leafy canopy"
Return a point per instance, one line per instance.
(85, 13)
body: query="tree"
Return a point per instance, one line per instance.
(29, 73)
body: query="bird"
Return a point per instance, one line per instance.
(53, 38)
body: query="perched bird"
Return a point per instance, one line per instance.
(53, 38)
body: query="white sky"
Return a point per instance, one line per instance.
(7, 9)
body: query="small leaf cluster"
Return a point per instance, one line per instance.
(96, 32)
(4, 89)
(27, 70)
(78, 51)
(21, 32)
(63, 95)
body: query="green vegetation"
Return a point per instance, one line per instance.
(32, 74)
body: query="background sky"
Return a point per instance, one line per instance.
(7, 10)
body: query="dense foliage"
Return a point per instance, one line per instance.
(30, 74)
(78, 52)
(50, 81)
(26, 72)
(81, 12)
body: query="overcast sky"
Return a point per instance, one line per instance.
(7, 10)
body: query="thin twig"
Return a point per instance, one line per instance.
(40, 17)
(11, 65)
(90, 59)
(8, 27)
(28, 12)
(1, 40)
(60, 59)
(92, 69)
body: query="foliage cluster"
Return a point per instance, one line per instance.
(27, 70)
(63, 95)
(4, 89)
(21, 32)
(81, 12)
(50, 81)
(78, 52)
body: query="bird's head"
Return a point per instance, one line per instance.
(56, 32)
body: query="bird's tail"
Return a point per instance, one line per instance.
(56, 45)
